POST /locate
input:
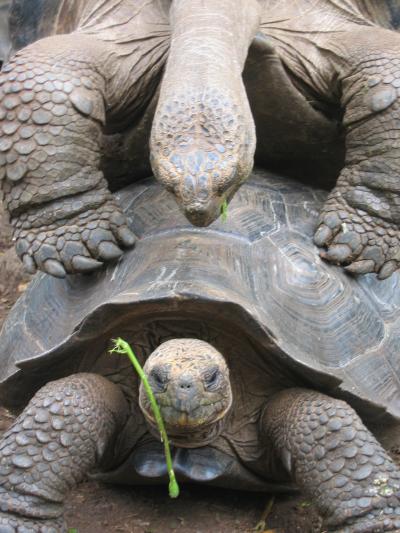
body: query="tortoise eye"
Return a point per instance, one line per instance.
(211, 378)
(159, 378)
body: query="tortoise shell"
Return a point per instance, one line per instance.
(4, 33)
(257, 274)
(31, 20)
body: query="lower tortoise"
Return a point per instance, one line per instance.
(273, 370)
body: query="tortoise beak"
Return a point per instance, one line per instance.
(200, 202)
(202, 215)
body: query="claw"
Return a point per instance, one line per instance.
(85, 264)
(388, 269)
(109, 251)
(375, 254)
(29, 264)
(361, 267)
(97, 237)
(332, 220)
(22, 247)
(54, 268)
(70, 250)
(45, 253)
(125, 236)
(352, 239)
(338, 253)
(323, 235)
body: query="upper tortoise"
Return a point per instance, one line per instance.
(318, 80)
(268, 365)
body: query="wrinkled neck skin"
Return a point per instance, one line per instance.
(132, 38)
(191, 438)
(203, 137)
(210, 41)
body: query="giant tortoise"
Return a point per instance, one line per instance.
(320, 77)
(260, 356)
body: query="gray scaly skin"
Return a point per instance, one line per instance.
(44, 158)
(335, 460)
(72, 424)
(60, 94)
(63, 433)
(359, 223)
(63, 215)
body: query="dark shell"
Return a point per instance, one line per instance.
(258, 271)
(4, 33)
(31, 20)
(394, 8)
(384, 12)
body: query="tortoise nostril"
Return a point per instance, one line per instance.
(185, 383)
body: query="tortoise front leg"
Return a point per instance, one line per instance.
(335, 460)
(53, 98)
(61, 435)
(360, 222)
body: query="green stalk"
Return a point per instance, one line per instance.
(224, 211)
(122, 347)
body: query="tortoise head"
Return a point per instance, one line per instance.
(190, 380)
(203, 136)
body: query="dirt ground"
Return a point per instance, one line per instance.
(94, 507)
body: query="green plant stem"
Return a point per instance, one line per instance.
(224, 211)
(122, 347)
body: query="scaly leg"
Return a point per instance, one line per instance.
(360, 221)
(335, 460)
(52, 111)
(60, 436)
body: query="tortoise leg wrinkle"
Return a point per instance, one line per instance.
(336, 461)
(62, 435)
(52, 113)
(359, 223)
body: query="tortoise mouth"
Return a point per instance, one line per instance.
(185, 417)
(187, 432)
(202, 216)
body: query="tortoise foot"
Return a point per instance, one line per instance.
(73, 245)
(16, 524)
(353, 237)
